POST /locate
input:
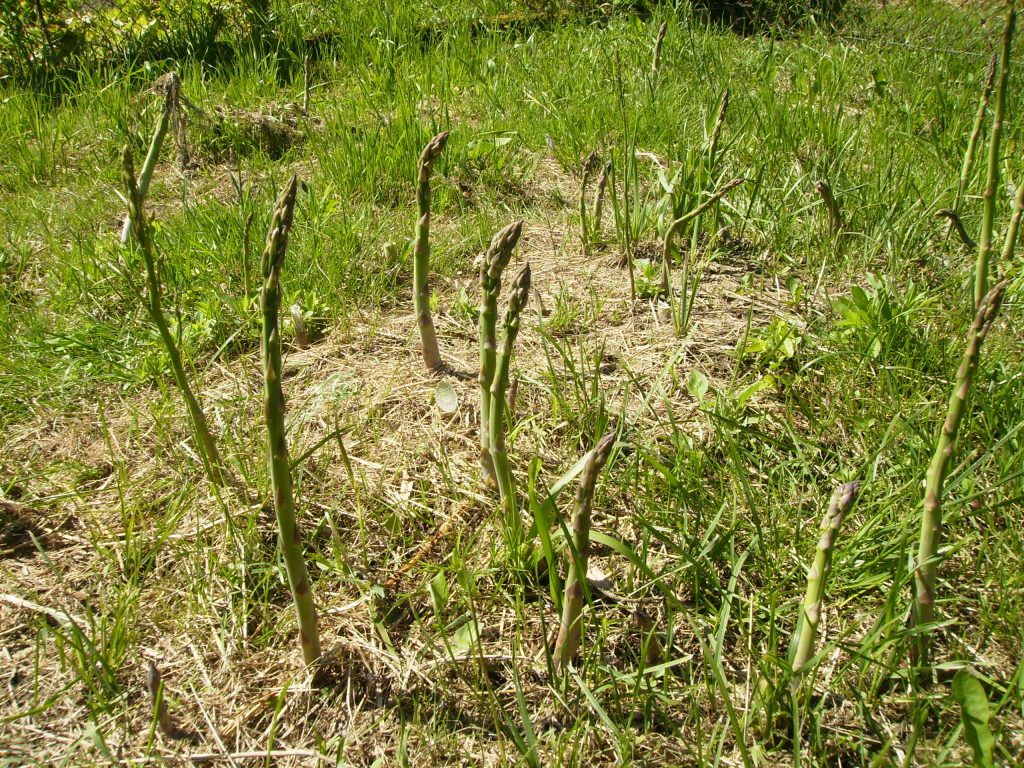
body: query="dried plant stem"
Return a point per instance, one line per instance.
(567, 643)
(675, 226)
(659, 43)
(143, 237)
(835, 215)
(957, 225)
(972, 144)
(274, 408)
(506, 484)
(817, 576)
(926, 567)
(992, 182)
(492, 265)
(421, 253)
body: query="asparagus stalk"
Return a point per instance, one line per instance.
(149, 164)
(584, 228)
(675, 226)
(499, 384)
(1011, 233)
(277, 444)
(143, 237)
(602, 185)
(716, 133)
(568, 641)
(421, 253)
(817, 576)
(926, 568)
(992, 183)
(972, 144)
(659, 42)
(493, 264)
(835, 216)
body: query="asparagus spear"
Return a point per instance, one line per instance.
(810, 610)
(972, 144)
(144, 239)
(492, 266)
(568, 641)
(421, 253)
(675, 226)
(277, 444)
(499, 384)
(992, 183)
(927, 565)
(149, 164)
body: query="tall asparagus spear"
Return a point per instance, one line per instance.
(277, 444)
(810, 609)
(992, 182)
(157, 142)
(499, 384)
(927, 565)
(972, 144)
(143, 236)
(421, 253)
(493, 264)
(569, 631)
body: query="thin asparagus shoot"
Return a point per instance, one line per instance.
(972, 144)
(499, 385)
(1011, 233)
(421, 253)
(716, 133)
(584, 228)
(149, 164)
(274, 409)
(817, 577)
(659, 43)
(927, 565)
(492, 265)
(143, 238)
(567, 643)
(675, 226)
(992, 183)
(834, 214)
(599, 190)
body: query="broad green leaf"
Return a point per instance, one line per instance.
(974, 712)
(697, 385)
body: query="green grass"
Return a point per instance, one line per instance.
(809, 359)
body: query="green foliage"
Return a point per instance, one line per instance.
(880, 320)
(46, 42)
